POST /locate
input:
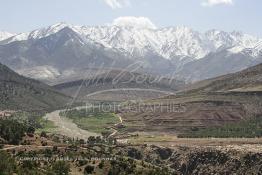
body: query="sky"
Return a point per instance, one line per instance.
(228, 15)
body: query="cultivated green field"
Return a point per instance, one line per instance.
(46, 126)
(93, 121)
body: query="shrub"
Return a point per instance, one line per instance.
(89, 169)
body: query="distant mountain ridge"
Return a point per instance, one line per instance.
(170, 50)
(119, 85)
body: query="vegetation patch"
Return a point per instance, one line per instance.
(92, 120)
(46, 126)
(12, 131)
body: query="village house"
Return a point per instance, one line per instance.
(6, 113)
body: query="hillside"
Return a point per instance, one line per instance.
(20, 93)
(246, 80)
(213, 102)
(119, 85)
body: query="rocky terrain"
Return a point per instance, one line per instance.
(134, 159)
(200, 160)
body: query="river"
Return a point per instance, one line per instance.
(66, 127)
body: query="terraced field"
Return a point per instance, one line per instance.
(213, 103)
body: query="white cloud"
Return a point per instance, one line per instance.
(115, 4)
(211, 3)
(137, 22)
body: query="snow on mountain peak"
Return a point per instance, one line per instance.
(44, 32)
(236, 49)
(5, 35)
(40, 33)
(139, 37)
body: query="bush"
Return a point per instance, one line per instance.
(101, 164)
(43, 134)
(89, 169)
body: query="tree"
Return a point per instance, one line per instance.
(82, 141)
(91, 140)
(89, 169)
(30, 130)
(43, 134)
(55, 149)
(98, 139)
(12, 131)
(101, 164)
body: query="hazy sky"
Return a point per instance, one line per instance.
(228, 15)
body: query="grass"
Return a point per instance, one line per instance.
(46, 126)
(93, 121)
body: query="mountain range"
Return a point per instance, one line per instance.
(62, 49)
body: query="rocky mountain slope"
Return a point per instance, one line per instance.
(248, 80)
(216, 64)
(20, 93)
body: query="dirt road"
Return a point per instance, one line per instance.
(120, 118)
(66, 127)
(120, 122)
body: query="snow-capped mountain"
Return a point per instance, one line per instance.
(5, 35)
(167, 42)
(51, 50)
